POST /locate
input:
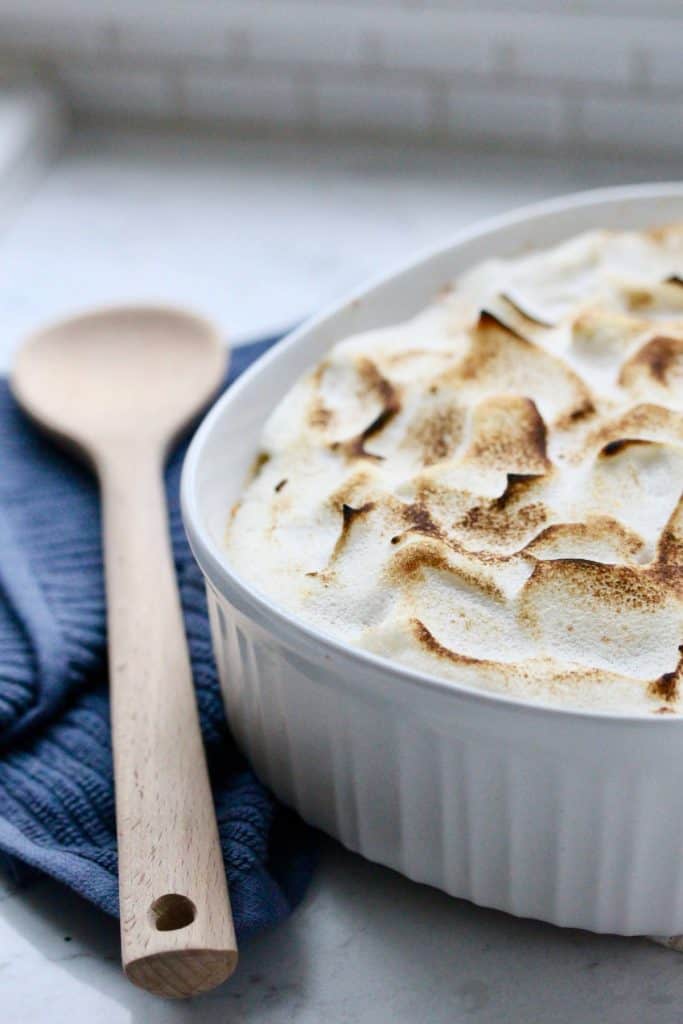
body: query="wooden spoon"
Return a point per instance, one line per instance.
(119, 386)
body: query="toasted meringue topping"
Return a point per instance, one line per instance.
(491, 492)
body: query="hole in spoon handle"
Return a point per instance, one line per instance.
(171, 912)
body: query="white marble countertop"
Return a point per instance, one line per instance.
(257, 234)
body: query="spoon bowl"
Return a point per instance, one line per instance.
(119, 374)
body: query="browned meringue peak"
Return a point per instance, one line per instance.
(436, 428)
(670, 546)
(410, 641)
(626, 619)
(501, 361)
(602, 338)
(514, 488)
(517, 676)
(358, 400)
(423, 555)
(506, 523)
(598, 539)
(518, 314)
(508, 433)
(639, 483)
(647, 421)
(528, 315)
(658, 301)
(655, 371)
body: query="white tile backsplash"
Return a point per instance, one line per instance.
(571, 50)
(23, 32)
(263, 99)
(169, 37)
(120, 91)
(372, 105)
(299, 35)
(613, 123)
(583, 73)
(663, 62)
(435, 43)
(499, 115)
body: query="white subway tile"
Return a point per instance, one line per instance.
(606, 50)
(552, 45)
(438, 43)
(169, 35)
(236, 96)
(504, 116)
(374, 105)
(664, 60)
(309, 36)
(117, 90)
(573, 49)
(632, 124)
(50, 32)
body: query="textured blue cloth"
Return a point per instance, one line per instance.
(56, 788)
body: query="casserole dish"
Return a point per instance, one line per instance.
(570, 816)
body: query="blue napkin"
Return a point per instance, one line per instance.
(56, 788)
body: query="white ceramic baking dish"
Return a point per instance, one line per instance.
(571, 817)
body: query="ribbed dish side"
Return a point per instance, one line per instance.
(476, 814)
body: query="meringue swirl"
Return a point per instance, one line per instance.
(491, 491)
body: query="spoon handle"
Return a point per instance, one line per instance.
(177, 935)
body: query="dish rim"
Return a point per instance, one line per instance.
(290, 628)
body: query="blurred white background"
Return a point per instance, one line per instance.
(558, 75)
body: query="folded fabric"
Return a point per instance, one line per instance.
(56, 787)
